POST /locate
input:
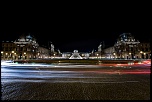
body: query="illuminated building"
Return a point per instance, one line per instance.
(109, 52)
(145, 52)
(75, 55)
(8, 50)
(126, 47)
(25, 47)
(43, 53)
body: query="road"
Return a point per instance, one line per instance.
(75, 82)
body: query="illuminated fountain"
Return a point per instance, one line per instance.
(75, 55)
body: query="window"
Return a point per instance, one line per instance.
(6, 49)
(21, 48)
(131, 49)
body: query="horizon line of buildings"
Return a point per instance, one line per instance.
(26, 47)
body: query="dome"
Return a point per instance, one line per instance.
(126, 37)
(29, 37)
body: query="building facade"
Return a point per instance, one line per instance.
(25, 47)
(145, 51)
(109, 52)
(126, 47)
(43, 53)
(8, 50)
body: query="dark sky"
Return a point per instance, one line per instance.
(81, 29)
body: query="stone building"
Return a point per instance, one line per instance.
(145, 51)
(25, 47)
(8, 50)
(126, 47)
(43, 53)
(109, 52)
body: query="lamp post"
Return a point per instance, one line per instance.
(130, 55)
(141, 54)
(144, 55)
(24, 54)
(1, 54)
(12, 55)
(54, 55)
(15, 55)
(114, 55)
(97, 56)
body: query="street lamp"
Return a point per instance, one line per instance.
(144, 55)
(54, 55)
(130, 55)
(97, 55)
(141, 54)
(2, 54)
(114, 55)
(12, 55)
(24, 55)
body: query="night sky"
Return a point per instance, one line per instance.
(81, 29)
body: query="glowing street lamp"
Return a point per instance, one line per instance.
(24, 53)
(12, 55)
(130, 55)
(114, 55)
(1, 52)
(97, 55)
(54, 55)
(141, 53)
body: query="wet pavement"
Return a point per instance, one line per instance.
(75, 82)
